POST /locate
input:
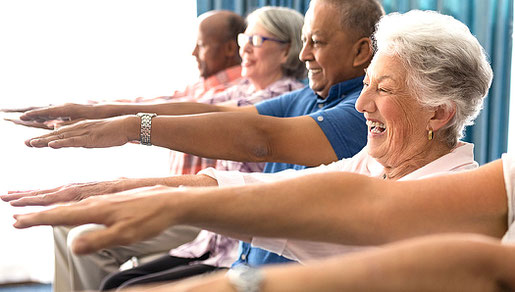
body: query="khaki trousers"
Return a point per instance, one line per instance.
(86, 272)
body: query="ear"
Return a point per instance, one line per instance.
(284, 58)
(441, 116)
(362, 52)
(231, 49)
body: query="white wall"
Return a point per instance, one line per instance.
(57, 51)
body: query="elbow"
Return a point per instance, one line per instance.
(260, 152)
(262, 141)
(258, 145)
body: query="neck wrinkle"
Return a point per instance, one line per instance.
(417, 161)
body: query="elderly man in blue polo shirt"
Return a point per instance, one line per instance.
(308, 127)
(335, 52)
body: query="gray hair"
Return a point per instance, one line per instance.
(358, 17)
(285, 24)
(445, 64)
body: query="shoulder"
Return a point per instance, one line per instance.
(508, 165)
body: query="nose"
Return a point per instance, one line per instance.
(195, 51)
(246, 48)
(365, 101)
(306, 53)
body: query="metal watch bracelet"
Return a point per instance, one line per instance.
(146, 127)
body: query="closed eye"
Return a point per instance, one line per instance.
(383, 90)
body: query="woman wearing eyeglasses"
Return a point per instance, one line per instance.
(269, 49)
(265, 52)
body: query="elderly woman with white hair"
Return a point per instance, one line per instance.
(426, 82)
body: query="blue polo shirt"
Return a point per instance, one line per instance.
(343, 125)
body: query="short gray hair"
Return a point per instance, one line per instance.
(285, 24)
(445, 64)
(357, 17)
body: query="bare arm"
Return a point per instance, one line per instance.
(348, 208)
(238, 136)
(56, 116)
(74, 111)
(436, 263)
(80, 191)
(458, 262)
(20, 110)
(334, 207)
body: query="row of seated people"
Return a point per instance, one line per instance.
(426, 78)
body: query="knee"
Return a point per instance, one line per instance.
(80, 230)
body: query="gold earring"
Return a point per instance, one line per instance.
(430, 135)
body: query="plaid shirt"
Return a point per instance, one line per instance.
(204, 88)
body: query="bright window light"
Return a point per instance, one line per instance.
(58, 51)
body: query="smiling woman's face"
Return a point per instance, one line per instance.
(260, 64)
(397, 123)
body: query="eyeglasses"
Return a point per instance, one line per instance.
(255, 40)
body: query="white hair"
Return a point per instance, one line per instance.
(445, 64)
(286, 25)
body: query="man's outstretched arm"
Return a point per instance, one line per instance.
(238, 136)
(55, 116)
(74, 112)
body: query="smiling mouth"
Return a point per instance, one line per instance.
(376, 127)
(314, 71)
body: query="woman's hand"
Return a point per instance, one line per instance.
(91, 134)
(129, 217)
(67, 193)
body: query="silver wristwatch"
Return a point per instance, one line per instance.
(146, 127)
(245, 279)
